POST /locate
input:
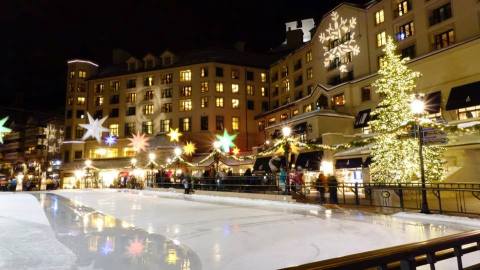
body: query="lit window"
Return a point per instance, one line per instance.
(235, 88)
(235, 103)
(250, 90)
(263, 91)
(186, 91)
(444, 39)
(129, 128)
(149, 95)
(113, 128)
(99, 101)
(148, 109)
(219, 87)
(405, 31)
(271, 121)
(381, 61)
(235, 74)
(185, 105)
(283, 116)
(82, 74)
(309, 57)
(80, 100)
(165, 125)
(469, 112)
(261, 125)
(295, 112)
(167, 107)
(307, 108)
(219, 102)
(166, 93)
(204, 102)
(379, 17)
(129, 152)
(235, 123)
(148, 81)
(185, 75)
(309, 73)
(204, 72)
(72, 74)
(204, 87)
(381, 39)
(99, 88)
(131, 97)
(115, 86)
(286, 85)
(263, 77)
(403, 8)
(70, 100)
(167, 78)
(185, 124)
(339, 100)
(147, 127)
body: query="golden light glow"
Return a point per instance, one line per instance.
(174, 135)
(236, 151)
(189, 149)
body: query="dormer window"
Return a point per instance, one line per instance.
(149, 64)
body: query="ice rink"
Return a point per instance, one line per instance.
(109, 229)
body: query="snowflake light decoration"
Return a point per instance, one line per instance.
(139, 142)
(94, 128)
(342, 31)
(225, 141)
(110, 140)
(174, 135)
(3, 130)
(135, 248)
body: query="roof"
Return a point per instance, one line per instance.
(215, 55)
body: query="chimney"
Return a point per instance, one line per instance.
(119, 56)
(294, 38)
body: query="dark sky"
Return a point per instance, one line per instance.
(38, 36)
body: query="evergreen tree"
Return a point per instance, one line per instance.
(395, 157)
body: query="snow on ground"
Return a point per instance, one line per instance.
(26, 239)
(229, 233)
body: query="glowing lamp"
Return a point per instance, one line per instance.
(133, 161)
(151, 156)
(286, 131)
(177, 151)
(88, 163)
(417, 106)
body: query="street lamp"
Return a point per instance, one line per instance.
(286, 132)
(418, 109)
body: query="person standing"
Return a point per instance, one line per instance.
(332, 189)
(282, 179)
(320, 185)
(185, 184)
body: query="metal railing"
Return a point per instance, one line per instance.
(406, 257)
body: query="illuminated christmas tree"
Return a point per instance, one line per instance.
(395, 154)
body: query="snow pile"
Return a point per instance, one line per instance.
(466, 221)
(227, 200)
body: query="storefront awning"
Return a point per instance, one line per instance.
(309, 160)
(464, 96)
(348, 163)
(362, 118)
(433, 102)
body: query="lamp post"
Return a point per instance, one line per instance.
(418, 108)
(178, 152)
(151, 158)
(286, 132)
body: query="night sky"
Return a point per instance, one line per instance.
(40, 35)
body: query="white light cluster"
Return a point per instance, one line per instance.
(340, 28)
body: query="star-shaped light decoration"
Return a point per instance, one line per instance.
(189, 149)
(139, 142)
(3, 130)
(94, 128)
(174, 135)
(135, 248)
(226, 141)
(236, 151)
(110, 140)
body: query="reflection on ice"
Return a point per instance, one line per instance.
(101, 241)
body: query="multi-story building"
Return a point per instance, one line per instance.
(323, 88)
(200, 93)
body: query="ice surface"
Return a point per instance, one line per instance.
(26, 238)
(439, 219)
(236, 233)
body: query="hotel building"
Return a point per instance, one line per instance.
(322, 88)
